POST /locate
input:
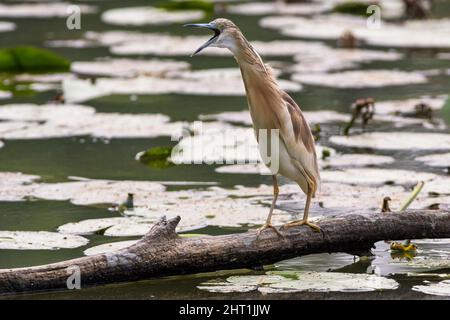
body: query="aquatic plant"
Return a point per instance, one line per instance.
(156, 157)
(26, 58)
(352, 7)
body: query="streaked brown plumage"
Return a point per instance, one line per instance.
(272, 108)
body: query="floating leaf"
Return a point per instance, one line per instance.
(157, 157)
(6, 26)
(376, 176)
(395, 141)
(427, 33)
(438, 289)
(331, 282)
(39, 240)
(170, 5)
(109, 247)
(20, 59)
(264, 8)
(301, 282)
(41, 10)
(436, 160)
(128, 67)
(361, 79)
(352, 7)
(139, 16)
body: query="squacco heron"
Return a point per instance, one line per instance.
(271, 109)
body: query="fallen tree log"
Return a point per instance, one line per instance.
(161, 252)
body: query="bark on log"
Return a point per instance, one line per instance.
(161, 252)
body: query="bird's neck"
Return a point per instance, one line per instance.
(254, 72)
(260, 84)
(246, 56)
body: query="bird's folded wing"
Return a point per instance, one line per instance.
(299, 141)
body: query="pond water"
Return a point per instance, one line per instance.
(56, 159)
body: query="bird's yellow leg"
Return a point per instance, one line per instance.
(268, 224)
(304, 221)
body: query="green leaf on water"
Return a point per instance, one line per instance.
(205, 6)
(286, 274)
(352, 7)
(27, 58)
(157, 157)
(191, 235)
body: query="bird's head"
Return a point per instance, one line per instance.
(226, 34)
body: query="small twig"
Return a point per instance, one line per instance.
(407, 245)
(413, 196)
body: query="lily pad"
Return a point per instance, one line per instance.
(32, 112)
(438, 289)
(236, 145)
(358, 196)
(440, 186)
(351, 7)
(128, 68)
(126, 43)
(264, 8)
(395, 141)
(361, 79)
(52, 121)
(345, 160)
(322, 262)
(41, 10)
(53, 77)
(156, 157)
(408, 106)
(307, 282)
(250, 168)
(21, 59)
(16, 178)
(331, 59)
(5, 94)
(376, 176)
(240, 283)
(436, 160)
(357, 160)
(109, 247)
(332, 282)
(90, 226)
(39, 240)
(206, 6)
(7, 26)
(139, 16)
(430, 256)
(77, 90)
(130, 226)
(97, 191)
(243, 117)
(426, 33)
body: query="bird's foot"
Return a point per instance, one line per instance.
(313, 226)
(268, 226)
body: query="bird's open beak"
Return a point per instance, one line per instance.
(207, 26)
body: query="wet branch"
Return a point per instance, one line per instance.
(161, 252)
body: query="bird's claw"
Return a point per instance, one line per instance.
(313, 226)
(268, 226)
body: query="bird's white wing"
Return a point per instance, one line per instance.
(298, 139)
